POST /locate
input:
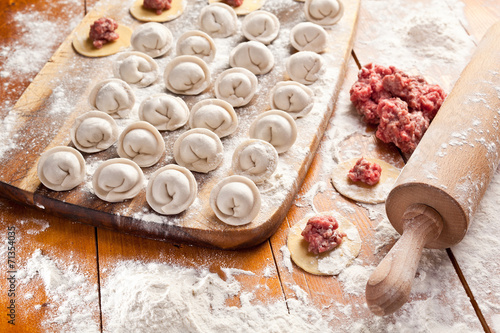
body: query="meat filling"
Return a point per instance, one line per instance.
(102, 31)
(365, 171)
(234, 3)
(157, 5)
(322, 234)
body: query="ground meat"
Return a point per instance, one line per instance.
(321, 233)
(365, 171)
(233, 3)
(102, 31)
(399, 126)
(158, 5)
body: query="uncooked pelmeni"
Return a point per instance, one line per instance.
(136, 68)
(255, 159)
(94, 131)
(61, 168)
(323, 12)
(196, 43)
(152, 38)
(117, 179)
(171, 189)
(187, 75)
(218, 20)
(252, 55)
(307, 36)
(165, 112)
(292, 97)
(237, 86)
(276, 127)
(215, 115)
(261, 26)
(113, 96)
(199, 150)
(235, 200)
(142, 143)
(305, 67)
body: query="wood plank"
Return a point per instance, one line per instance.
(480, 14)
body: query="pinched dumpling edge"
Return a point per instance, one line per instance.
(327, 21)
(160, 147)
(231, 15)
(234, 56)
(208, 166)
(152, 75)
(78, 179)
(287, 117)
(239, 70)
(263, 39)
(122, 112)
(298, 58)
(165, 126)
(155, 52)
(271, 167)
(222, 105)
(197, 33)
(187, 58)
(307, 90)
(94, 114)
(317, 47)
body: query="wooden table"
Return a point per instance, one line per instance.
(464, 295)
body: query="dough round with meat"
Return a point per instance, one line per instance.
(237, 86)
(112, 96)
(165, 112)
(255, 159)
(83, 44)
(307, 36)
(332, 262)
(218, 20)
(360, 191)
(305, 67)
(215, 115)
(199, 150)
(323, 12)
(152, 38)
(196, 43)
(136, 68)
(252, 55)
(171, 190)
(187, 75)
(276, 127)
(248, 6)
(61, 168)
(261, 26)
(292, 97)
(94, 131)
(149, 15)
(142, 143)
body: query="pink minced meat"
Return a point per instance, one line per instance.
(322, 235)
(234, 3)
(158, 5)
(102, 31)
(365, 171)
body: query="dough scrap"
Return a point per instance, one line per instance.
(148, 15)
(196, 43)
(136, 68)
(252, 55)
(328, 263)
(199, 150)
(218, 20)
(237, 86)
(292, 97)
(305, 67)
(261, 26)
(323, 12)
(152, 38)
(247, 7)
(83, 44)
(255, 159)
(61, 168)
(215, 115)
(94, 131)
(276, 127)
(307, 36)
(171, 190)
(235, 200)
(165, 112)
(112, 96)
(142, 143)
(187, 75)
(360, 191)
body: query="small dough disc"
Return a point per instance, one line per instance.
(330, 262)
(360, 191)
(83, 44)
(149, 15)
(246, 7)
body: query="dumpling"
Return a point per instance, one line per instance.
(61, 168)
(261, 26)
(307, 36)
(196, 43)
(292, 97)
(218, 20)
(113, 96)
(171, 189)
(142, 143)
(276, 127)
(165, 112)
(235, 200)
(136, 68)
(237, 86)
(215, 115)
(305, 67)
(254, 56)
(94, 131)
(323, 12)
(255, 159)
(117, 179)
(152, 38)
(187, 75)
(199, 150)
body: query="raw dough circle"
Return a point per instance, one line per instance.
(187, 75)
(252, 55)
(360, 191)
(218, 20)
(255, 159)
(117, 179)
(235, 200)
(327, 263)
(307, 36)
(237, 86)
(136, 68)
(305, 67)
(61, 168)
(196, 43)
(198, 150)
(83, 44)
(246, 7)
(149, 15)
(94, 131)
(171, 189)
(261, 26)
(142, 143)
(276, 127)
(215, 115)
(324, 12)
(113, 96)
(165, 112)
(152, 38)
(292, 97)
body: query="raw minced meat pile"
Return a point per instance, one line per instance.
(322, 234)
(401, 105)
(365, 171)
(102, 31)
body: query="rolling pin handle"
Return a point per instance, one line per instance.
(389, 286)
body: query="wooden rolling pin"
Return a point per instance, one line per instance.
(445, 178)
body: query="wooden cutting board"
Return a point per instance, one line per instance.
(46, 111)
